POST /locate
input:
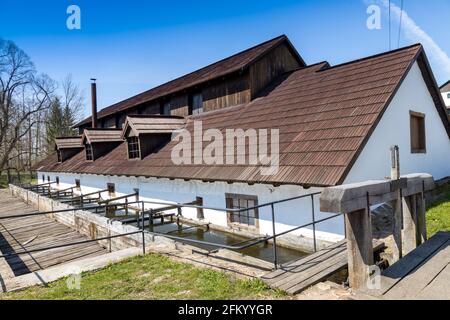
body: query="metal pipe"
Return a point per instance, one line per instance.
(314, 223)
(231, 247)
(69, 244)
(119, 198)
(94, 102)
(50, 212)
(275, 262)
(176, 205)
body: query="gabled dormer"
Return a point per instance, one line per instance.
(145, 134)
(67, 147)
(98, 142)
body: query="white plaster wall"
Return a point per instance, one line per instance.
(446, 98)
(288, 215)
(394, 129)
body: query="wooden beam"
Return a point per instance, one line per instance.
(409, 224)
(359, 247)
(397, 228)
(421, 219)
(353, 197)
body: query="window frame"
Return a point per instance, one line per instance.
(89, 152)
(135, 143)
(192, 109)
(164, 105)
(421, 147)
(229, 199)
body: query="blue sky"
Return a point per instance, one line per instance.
(131, 46)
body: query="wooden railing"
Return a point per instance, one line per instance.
(406, 196)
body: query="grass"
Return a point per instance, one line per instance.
(438, 212)
(152, 277)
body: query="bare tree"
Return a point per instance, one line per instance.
(72, 98)
(23, 96)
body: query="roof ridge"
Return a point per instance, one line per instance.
(275, 40)
(374, 56)
(446, 83)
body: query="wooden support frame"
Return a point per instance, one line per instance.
(406, 196)
(359, 247)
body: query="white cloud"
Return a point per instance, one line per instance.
(413, 32)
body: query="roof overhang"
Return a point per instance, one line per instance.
(68, 143)
(153, 124)
(91, 136)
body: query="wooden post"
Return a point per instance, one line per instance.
(421, 232)
(397, 207)
(409, 224)
(359, 247)
(397, 229)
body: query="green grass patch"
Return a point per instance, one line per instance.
(152, 276)
(438, 212)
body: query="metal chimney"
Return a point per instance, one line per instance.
(94, 102)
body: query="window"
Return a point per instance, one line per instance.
(246, 217)
(133, 148)
(77, 183)
(448, 95)
(58, 153)
(89, 152)
(165, 110)
(418, 138)
(196, 104)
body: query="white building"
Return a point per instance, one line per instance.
(336, 125)
(445, 91)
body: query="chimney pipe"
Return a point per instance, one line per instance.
(94, 102)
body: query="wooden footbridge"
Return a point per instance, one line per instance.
(27, 233)
(298, 275)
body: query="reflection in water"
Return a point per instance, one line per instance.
(262, 251)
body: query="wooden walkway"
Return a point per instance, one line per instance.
(422, 274)
(28, 233)
(298, 275)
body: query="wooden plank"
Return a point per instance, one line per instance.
(438, 288)
(320, 276)
(395, 273)
(296, 274)
(419, 278)
(300, 274)
(44, 232)
(308, 260)
(337, 261)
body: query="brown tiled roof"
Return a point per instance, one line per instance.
(153, 124)
(445, 87)
(218, 69)
(68, 142)
(325, 116)
(102, 135)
